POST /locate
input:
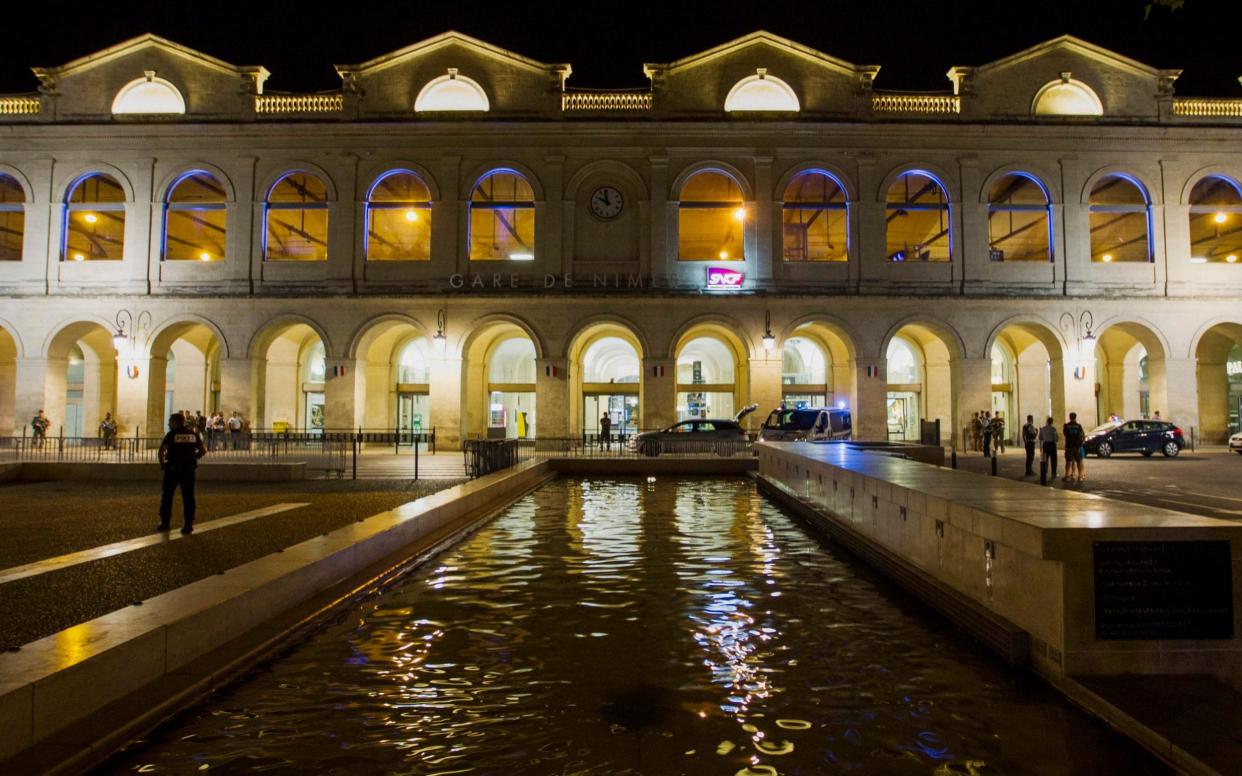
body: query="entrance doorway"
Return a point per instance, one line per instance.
(413, 412)
(622, 409)
(314, 412)
(903, 415)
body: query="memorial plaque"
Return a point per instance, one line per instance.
(1163, 590)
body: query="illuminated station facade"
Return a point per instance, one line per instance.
(459, 239)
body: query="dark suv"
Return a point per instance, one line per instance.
(812, 424)
(1135, 436)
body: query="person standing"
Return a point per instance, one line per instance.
(217, 430)
(107, 431)
(1030, 435)
(1048, 446)
(986, 420)
(1074, 437)
(976, 431)
(605, 431)
(179, 454)
(998, 433)
(235, 430)
(40, 424)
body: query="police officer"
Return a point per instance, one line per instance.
(179, 454)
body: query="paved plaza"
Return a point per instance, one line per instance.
(40, 521)
(1201, 483)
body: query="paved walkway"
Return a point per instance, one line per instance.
(41, 521)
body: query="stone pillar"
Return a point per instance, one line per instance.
(1079, 392)
(761, 234)
(657, 264)
(1213, 402)
(156, 383)
(972, 392)
(658, 400)
(133, 412)
(99, 393)
(241, 380)
(842, 387)
(40, 385)
(1180, 392)
(8, 394)
(447, 412)
(551, 397)
(765, 387)
(344, 393)
(870, 404)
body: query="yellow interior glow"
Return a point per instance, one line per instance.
(1232, 258)
(204, 256)
(724, 255)
(78, 257)
(740, 214)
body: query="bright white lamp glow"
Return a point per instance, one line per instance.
(78, 257)
(1107, 257)
(522, 256)
(1232, 258)
(740, 214)
(724, 255)
(204, 256)
(90, 218)
(411, 215)
(451, 92)
(1220, 218)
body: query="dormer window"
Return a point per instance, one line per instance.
(761, 92)
(148, 95)
(451, 92)
(1066, 97)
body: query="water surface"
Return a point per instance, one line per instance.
(629, 627)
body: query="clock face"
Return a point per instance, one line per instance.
(606, 202)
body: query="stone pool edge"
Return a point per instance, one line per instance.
(68, 701)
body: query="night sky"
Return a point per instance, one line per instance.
(607, 41)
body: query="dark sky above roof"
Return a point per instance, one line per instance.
(607, 41)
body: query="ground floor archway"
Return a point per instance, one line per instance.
(1218, 359)
(500, 383)
(605, 374)
(291, 394)
(713, 368)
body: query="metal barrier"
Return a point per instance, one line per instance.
(484, 456)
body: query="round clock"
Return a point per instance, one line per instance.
(606, 202)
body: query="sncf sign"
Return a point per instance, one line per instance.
(724, 279)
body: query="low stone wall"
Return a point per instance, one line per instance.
(240, 471)
(10, 472)
(52, 683)
(1033, 557)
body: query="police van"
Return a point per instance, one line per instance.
(810, 424)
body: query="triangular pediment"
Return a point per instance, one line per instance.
(138, 45)
(442, 41)
(761, 38)
(1071, 44)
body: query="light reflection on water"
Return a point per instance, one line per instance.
(625, 627)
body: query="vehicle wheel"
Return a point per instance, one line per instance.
(1104, 449)
(1171, 450)
(1147, 453)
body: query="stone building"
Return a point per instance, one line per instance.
(459, 238)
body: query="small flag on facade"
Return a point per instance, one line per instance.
(549, 371)
(657, 371)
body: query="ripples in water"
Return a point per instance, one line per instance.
(626, 627)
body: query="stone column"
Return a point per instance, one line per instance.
(972, 392)
(40, 385)
(1213, 402)
(761, 234)
(133, 411)
(870, 404)
(8, 394)
(447, 412)
(551, 397)
(343, 393)
(1079, 391)
(658, 401)
(657, 264)
(155, 380)
(765, 387)
(1180, 391)
(241, 380)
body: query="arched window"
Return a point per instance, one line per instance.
(12, 218)
(815, 218)
(761, 92)
(502, 217)
(904, 365)
(94, 219)
(148, 95)
(195, 221)
(711, 218)
(804, 373)
(918, 218)
(451, 92)
(315, 363)
(1066, 97)
(706, 379)
(399, 218)
(297, 219)
(1019, 220)
(1215, 221)
(1119, 220)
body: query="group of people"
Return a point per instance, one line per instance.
(1046, 438)
(219, 431)
(987, 433)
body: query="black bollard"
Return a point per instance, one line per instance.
(953, 458)
(993, 466)
(1043, 471)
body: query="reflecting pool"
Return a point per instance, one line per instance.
(634, 627)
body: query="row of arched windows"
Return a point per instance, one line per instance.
(712, 218)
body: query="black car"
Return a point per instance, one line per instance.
(1135, 436)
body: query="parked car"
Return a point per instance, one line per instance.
(696, 435)
(807, 423)
(1135, 436)
(1235, 443)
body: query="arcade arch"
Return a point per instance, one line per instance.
(1027, 376)
(80, 384)
(920, 381)
(500, 382)
(396, 357)
(712, 367)
(1218, 355)
(606, 376)
(1129, 372)
(291, 391)
(184, 372)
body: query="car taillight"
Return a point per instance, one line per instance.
(1177, 432)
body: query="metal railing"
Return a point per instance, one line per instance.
(1207, 107)
(605, 101)
(484, 456)
(916, 103)
(19, 105)
(268, 104)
